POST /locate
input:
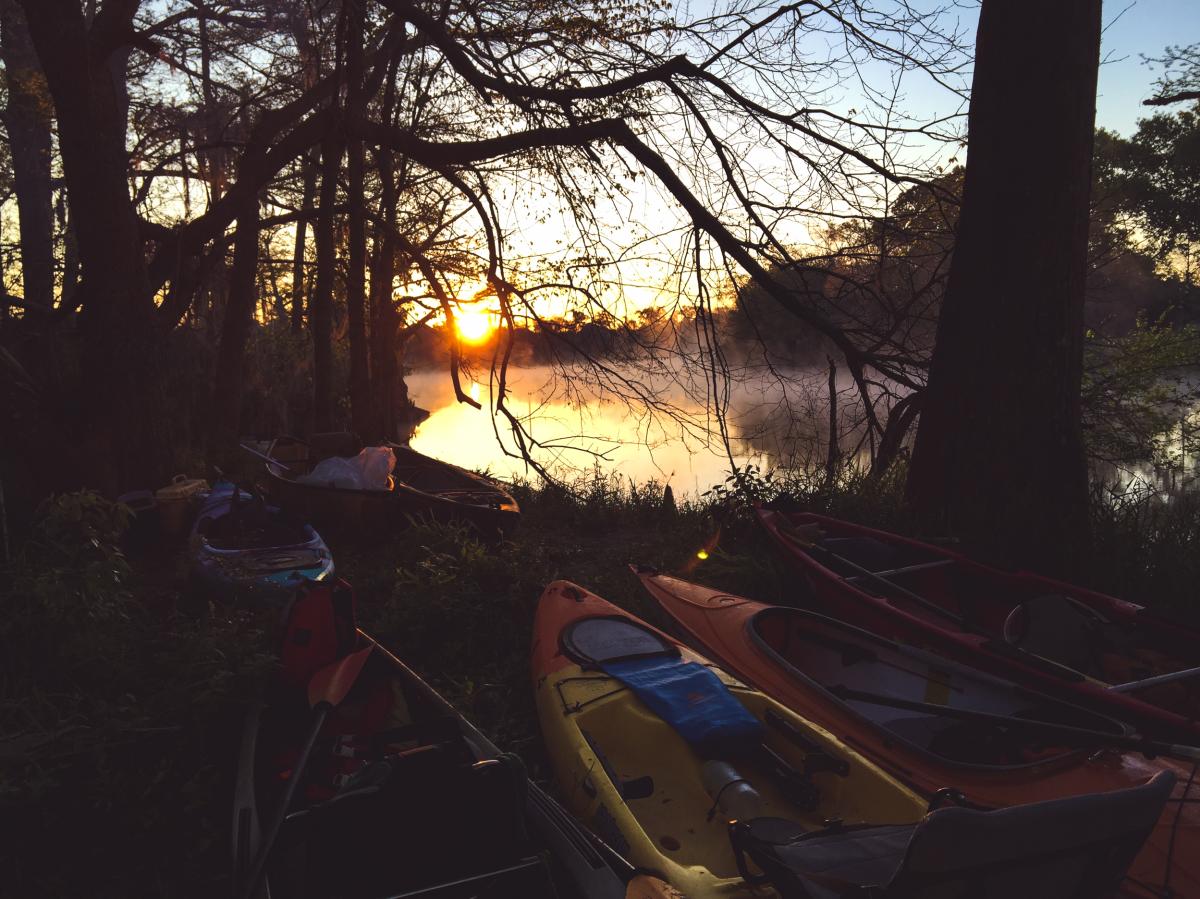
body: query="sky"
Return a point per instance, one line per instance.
(1134, 28)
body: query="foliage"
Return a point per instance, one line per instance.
(1179, 79)
(743, 489)
(1147, 549)
(1150, 187)
(72, 563)
(1137, 389)
(114, 718)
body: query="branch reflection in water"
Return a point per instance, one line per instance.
(676, 439)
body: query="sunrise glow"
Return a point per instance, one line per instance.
(474, 325)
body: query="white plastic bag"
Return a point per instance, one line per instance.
(368, 470)
(376, 463)
(335, 472)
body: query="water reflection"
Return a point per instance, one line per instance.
(774, 419)
(771, 422)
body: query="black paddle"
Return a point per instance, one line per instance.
(327, 688)
(1149, 748)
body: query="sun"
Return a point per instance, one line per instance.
(474, 325)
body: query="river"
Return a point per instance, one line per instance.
(581, 426)
(774, 419)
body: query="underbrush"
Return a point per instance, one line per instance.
(115, 719)
(1146, 549)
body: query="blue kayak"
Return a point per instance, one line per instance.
(246, 552)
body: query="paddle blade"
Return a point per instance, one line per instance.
(333, 682)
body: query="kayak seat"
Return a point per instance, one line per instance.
(593, 642)
(1058, 628)
(866, 552)
(1074, 848)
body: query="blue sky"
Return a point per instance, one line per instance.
(1134, 27)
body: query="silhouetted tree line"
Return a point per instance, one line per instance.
(247, 212)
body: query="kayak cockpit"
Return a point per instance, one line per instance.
(923, 700)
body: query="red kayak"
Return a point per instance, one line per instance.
(935, 724)
(1098, 651)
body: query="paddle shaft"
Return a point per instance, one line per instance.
(260, 862)
(1157, 680)
(996, 646)
(1138, 744)
(252, 451)
(326, 689)
(867, 574)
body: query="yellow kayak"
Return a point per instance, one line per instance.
(667, 803)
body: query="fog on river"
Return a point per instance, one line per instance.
(669, 433)
(772, 420)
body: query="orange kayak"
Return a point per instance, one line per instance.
(835, 675)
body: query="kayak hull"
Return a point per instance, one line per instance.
(423, 490)
(725, 627)
(986, 598)
(628, 775)
(387, 702)
(259, 566)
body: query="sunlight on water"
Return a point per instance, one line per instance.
(772, 423)
(576, 434)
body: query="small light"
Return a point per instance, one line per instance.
(702, 555)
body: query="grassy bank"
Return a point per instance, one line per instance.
(120, 707)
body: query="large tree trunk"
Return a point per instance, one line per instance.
(121, 433)
(999, 458)
(235, 331)
(360, 379)
(28, 118)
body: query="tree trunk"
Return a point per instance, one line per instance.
(28, 118)
(320, 313)
(360, 379)
(309, 167)
(120, 402)
(384, 321)
(999, 458)
(235, 331)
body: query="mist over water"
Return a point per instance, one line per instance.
(657, 423)
(635, 422)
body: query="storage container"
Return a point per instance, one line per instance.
(175, 502)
